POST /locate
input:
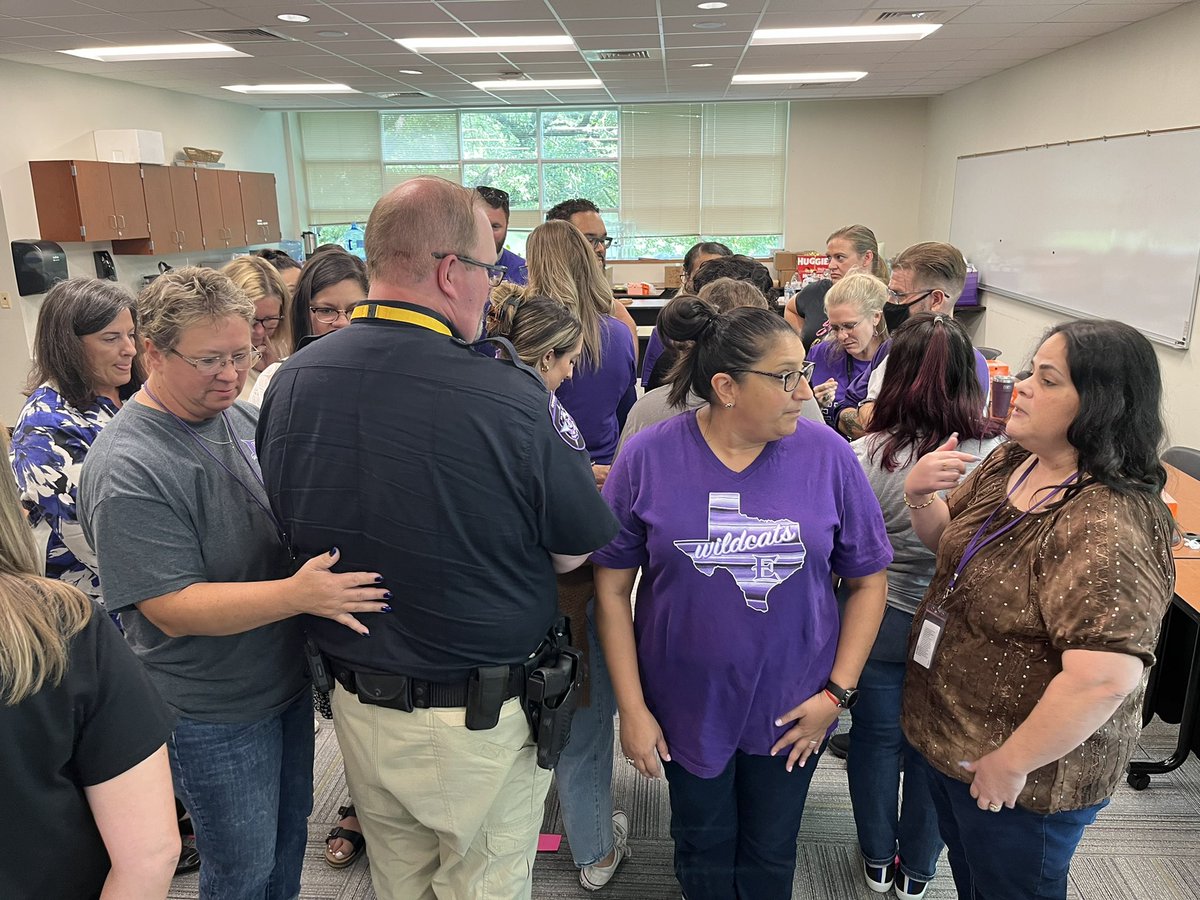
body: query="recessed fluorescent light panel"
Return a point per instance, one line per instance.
(800, 78)
(292, 17)
(155, 51)
(516, 44)
(320, 88)
(713, 5)
(841, 34)
(546, 84)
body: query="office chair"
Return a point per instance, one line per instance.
(988, 352)
(1185, 459)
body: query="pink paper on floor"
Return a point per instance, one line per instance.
(549, 843)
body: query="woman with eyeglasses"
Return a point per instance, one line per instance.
(845, 358)
(738, 663)
(262, 283)
(172, 499)
(331, 284)
(85, 368)
(851, 247)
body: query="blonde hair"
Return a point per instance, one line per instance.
(535, 325)
(863, 291)
(862, 239)
(187, 296)
(259, 280)
(563, 267)
(38, 616)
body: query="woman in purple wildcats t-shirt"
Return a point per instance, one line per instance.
(738, 514)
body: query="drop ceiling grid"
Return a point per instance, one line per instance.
(978, 38)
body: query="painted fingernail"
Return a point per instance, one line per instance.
(387, 595)
(379, 579)
(333, 552)
(386, 609)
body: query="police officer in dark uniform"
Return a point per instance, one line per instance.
(458, 478)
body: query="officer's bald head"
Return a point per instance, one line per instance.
(410, 223)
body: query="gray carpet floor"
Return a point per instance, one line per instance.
(1145, 845)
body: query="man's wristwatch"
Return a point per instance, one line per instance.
(845, 698)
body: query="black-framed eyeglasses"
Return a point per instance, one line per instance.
(897, 297)
(494, 196)
(269, 323)
(495, 273)
(789, 380)
(215, 365)
(598, 242)
(327, 315)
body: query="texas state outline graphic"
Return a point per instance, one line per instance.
(760, 554)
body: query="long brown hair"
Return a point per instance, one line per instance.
(38, 616)
(72, 310)
(562, 266)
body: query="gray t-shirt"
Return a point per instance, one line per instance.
(912, 567)
(163, 514)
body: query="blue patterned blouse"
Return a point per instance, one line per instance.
(49, 443)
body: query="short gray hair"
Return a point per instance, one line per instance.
(187, 296)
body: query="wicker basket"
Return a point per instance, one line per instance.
(195, 154)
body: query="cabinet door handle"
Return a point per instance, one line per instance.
(175, 239)
(182, 237)
(121, 222)
(112, 221)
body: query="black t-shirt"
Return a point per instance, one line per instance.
(810, 304)
(102, 719)
(443, 470)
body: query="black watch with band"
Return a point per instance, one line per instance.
(844, 697)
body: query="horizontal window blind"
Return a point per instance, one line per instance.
(670, 170)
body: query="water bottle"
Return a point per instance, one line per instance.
(793, 287)
(355, 241)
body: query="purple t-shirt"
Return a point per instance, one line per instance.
(517, 272)
(654, 349)
(736, 618)
(599, 399)
(850, 374)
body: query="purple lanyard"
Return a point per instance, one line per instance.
(981, 540)
(241, 452)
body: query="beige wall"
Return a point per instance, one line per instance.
(1145, 76)
(858, 161)
(49, 114)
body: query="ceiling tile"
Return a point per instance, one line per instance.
(399, 14)
(591, 27)
(1113, 13)
(1031, 13)
(497, 10)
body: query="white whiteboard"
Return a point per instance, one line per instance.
(1105, 228)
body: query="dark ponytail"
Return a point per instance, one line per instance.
(711, 342)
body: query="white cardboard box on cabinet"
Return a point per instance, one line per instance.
(129, 145)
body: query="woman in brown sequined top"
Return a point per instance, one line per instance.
(1054, 570)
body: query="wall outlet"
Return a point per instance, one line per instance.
(5, 303)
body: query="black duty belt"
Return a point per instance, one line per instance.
(406, 694)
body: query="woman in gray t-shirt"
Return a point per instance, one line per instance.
(929, 393)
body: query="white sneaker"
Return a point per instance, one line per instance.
(596, 876)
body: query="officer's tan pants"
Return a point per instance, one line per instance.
(447, 813)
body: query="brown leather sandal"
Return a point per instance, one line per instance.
(354, 838)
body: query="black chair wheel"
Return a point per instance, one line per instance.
(1139, 781)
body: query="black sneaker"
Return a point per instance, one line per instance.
(880, 878)
(839, 744)
(909, 888)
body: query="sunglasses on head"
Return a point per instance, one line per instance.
(493, 195)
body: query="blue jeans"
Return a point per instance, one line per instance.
(877, 746)
(248, 787)
(584, 771)
(735, 835)
(1014, 854)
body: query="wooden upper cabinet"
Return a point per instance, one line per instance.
(82, 200)
(231, 208)
(260, 207)
(147, 209)
(186, 197)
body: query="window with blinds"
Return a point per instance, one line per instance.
(664, 175)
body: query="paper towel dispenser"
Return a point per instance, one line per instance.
(40, 265)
